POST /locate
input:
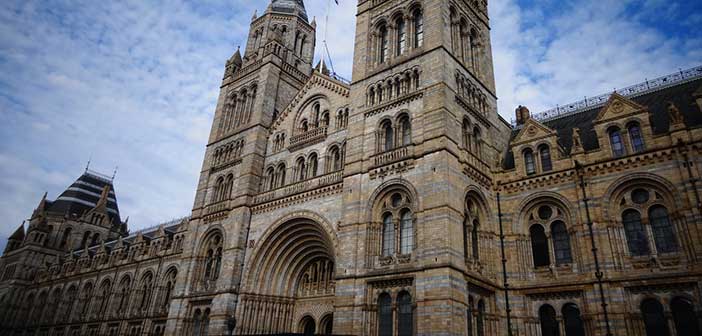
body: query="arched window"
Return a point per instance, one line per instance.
(418, 20)
(205, 323)
(168, 287)
(312, 166)
(280, 175)
(637, 141)
(480, 320)
(539, 246)
(147, 285)
(383, 45)
(407, 232)
(615, 139)
(385, 320)
(213, 260)
(549, 324)
(301, 169)
(270, 176)
(663, 232)
(635, 235)
(477, 141)
(466, 134)
(308, 326)
(65, 238)
(406, 130)
(124, 287)
(315, 113)
(529, 161)
(573, 322)
(335, 157)
(405, 320)
(654, 318)
(327, 325)
(685, 318)
(325, 119)
(388, 235)
(388, 136)
(71, 295)
(401, 36)
(545, 155)
(561, 243)
(304, 126)
(197, 323)
(104, 299)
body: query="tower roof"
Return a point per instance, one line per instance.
(19, 234)
(294, 7)
(84, 195)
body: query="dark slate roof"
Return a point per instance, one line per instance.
(83, 195)
(289, 7)
(19, 234)
(656, 101)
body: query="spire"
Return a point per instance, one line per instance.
(236, 58)
(255, 15)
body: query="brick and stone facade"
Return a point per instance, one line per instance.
(399, 203)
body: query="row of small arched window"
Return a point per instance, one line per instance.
(237, 109)
(393, 87)
(305, 168)
(393, 39)
(465, 40)
(472, 138)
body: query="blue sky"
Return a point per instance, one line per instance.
(134, 83)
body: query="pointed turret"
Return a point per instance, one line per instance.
(90, 191)
(41, 208)
(255, 15)
(321, 67)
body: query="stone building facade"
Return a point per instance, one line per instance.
(399, 203)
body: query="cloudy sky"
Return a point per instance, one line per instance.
(134, 83)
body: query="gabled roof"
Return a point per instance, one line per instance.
(19, 234)
(682, 95)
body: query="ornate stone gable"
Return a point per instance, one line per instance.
(532, 131)
(617, 107)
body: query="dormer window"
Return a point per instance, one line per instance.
(615, 139)
(529, 162)
(637, 141)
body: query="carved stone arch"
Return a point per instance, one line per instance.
(633, 119)
(286, 248)
(127, 276)
(145, 272)
(479, 196)
(397, 13)
(521, 225)
(211, 231)
(671, 198)
(413, 6)
(381, 20)
(172, 267)
(386, 188)
(399, 114)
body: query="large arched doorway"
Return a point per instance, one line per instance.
(295, 262)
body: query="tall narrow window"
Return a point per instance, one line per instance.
(404, 315)
(385, 321)
(383, 52)
(539, 246)
(654, 318)
(615, 138)
(313, 165)
(663, 232)
(684, 316)
(197, 323)
(418, 28)
(561, 243)
(401, 36)
(407, 232)
(406, 131)
(634, 231)
(301, 167)
(388, 235)
(529, 162)
(549, 324)
(573, 322)
(466, 134)
(474, 240)
(545, 155)
(477, 141)
(480, 320)
(637, 141)
(389, 136)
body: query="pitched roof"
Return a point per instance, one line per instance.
(84, 194)
(656, 101)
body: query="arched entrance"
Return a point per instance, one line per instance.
(307, 326)
(295, 261)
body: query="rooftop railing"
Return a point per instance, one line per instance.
(630, 91)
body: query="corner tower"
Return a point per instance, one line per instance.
(257, 85)
(424, 138)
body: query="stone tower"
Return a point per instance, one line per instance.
(256, 86)
(423, 125)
